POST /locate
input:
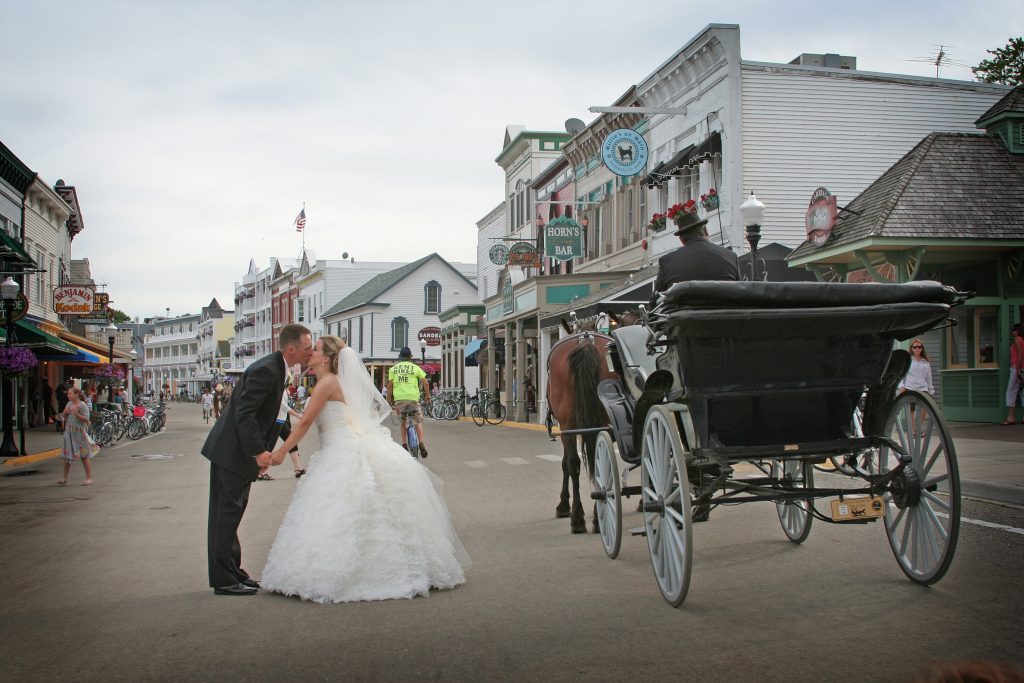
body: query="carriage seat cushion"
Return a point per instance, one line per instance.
(728, 294)
(632, 343)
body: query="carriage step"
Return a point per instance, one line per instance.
(638, 531)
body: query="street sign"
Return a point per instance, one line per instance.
(20, 309)
(563, 239)
(821, 216)
(93, 320)
(624, 152)
(523, 254)
(499, 254)
(73, 300)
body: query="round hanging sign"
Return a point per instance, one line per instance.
(499, 254)
(624, 152)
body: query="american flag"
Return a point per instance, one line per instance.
(300, 221)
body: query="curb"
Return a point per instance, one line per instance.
(517, 425)
(987, 491)
(12, 464)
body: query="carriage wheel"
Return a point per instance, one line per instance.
(795, 515)
(609, 499)
(666, 501)
(921, 524)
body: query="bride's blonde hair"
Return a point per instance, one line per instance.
(332, 347)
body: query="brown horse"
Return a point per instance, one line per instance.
(575, 366)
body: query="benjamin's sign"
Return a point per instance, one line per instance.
(73, 300)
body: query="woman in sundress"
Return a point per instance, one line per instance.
(77, 444)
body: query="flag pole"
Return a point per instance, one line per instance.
(303, 253)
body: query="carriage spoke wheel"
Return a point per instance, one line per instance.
(608, 493)
(795, 515)
(922, 511)
(666, 499)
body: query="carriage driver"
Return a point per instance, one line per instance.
(697, 259)
(405, 379)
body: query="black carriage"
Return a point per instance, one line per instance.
(790, 378)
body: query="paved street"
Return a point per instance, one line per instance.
(109, 583)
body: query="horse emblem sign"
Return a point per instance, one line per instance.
(624, 152)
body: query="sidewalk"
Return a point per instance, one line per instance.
(990, 457)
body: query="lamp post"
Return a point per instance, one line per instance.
(752, 211)
(111, 330)
(423, 350)
(9, 291)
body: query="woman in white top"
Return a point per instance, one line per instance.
(918, 378)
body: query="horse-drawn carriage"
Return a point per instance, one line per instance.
(781, 380)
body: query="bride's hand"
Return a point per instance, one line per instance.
(277, 457)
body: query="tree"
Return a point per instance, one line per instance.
(119, 317)
(1006, 65)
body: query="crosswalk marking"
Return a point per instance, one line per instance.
(981, 522)
(551, 458)
(476, 464)
(516, 461)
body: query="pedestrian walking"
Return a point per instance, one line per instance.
(1016, 381)
(47, 392)
(78, 445)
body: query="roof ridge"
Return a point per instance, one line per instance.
(919, 152)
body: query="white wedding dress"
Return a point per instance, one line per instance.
(366, 523)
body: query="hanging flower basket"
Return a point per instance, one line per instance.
(677, 212)
(658, 223)
(16, 360)
(710, 200)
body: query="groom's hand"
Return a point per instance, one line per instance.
(264, 459)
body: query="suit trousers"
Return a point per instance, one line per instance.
(229, 495)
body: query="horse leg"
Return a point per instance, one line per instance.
(578, 518)
(562, 509)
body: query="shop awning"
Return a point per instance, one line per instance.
(94, 348)
(431, 368)
(79, 355)
(654, 177)
(706, 150)
(27, 334)
(470, 351)
(12, 252)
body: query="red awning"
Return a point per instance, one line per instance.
(430, 368)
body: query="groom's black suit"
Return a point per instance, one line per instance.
(245, 430)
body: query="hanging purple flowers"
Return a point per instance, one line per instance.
(16, 360)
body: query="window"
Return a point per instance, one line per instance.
(360, 333)
(301, 310)
(399, 333)
(688, 185)
(972, 341)
(432, 297)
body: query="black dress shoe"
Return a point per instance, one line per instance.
(251, 583)
(237, 589)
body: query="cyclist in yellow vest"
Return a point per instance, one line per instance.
(404, 382)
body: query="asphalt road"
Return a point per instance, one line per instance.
(108, 582)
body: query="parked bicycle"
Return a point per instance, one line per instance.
(487, 408)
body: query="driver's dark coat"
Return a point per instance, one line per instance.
(698, 259)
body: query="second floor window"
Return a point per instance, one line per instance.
(399, 333)
(432, 296)
(300, 309)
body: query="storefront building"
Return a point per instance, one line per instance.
(950, 210)
(460, 327)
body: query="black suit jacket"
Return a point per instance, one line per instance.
(698, 259)
(249, 425)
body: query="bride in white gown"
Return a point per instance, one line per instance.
(367, 522)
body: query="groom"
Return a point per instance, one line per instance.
(238, 446)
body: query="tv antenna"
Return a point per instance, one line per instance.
(940, 59)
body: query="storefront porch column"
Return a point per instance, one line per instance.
(521, 413)
(510, 341)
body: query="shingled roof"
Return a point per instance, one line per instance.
(950, 186)
(1012, 102)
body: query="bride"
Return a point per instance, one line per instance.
(367, 522)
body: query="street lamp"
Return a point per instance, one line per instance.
(752, 211)
(9, 291)
(423, 350)
(111, 330)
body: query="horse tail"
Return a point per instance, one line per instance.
(584, 364)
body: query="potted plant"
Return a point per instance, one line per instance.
(657, 224)
(710, 200)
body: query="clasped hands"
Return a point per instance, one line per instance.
(267, 459)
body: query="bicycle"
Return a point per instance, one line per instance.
(206, 413)
(412, 439)
(491, 411)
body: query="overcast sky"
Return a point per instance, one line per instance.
(195, 130)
